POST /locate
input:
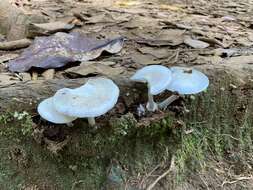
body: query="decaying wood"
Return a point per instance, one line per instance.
(24, 96)
(17, 44)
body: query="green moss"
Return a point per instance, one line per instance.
(14, 124)
(222, 127)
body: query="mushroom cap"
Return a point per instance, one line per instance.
(187, 81)
(93, 99)
(49, 113)
(158, 78)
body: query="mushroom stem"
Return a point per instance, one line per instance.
(164, 104)
(151, 105)
(91, 121)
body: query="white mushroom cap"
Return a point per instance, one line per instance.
(48, 112)
(158, 77)
(187, 81)
(93, 99)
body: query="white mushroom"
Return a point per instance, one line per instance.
(93, 99)
(158, 78)
(185, 81)
(49, 113)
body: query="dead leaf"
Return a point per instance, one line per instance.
(228, 18)
(56, 147)
(213, 41)
(158, 53)
(60, 49)
(103, 68)
(225, 52)
(141, 22)
(243, 60)
(143, 59)
(244, 41)
(48, 74)
(212, 60)
(250, 36)
(49, 28)
(100, 18)
(25, 76)
(173, 25)
(127, 3)
(7, 79)
(197, 44)
(171, 37)
(7, 57)
(171, 7)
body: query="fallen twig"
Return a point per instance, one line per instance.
(76, 183)
(235, 181)
(204, 182)
(148, 175)
(172, 166)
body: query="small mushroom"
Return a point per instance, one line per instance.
(185, 81)
(158, 78)
(49, 113)
(93, 99)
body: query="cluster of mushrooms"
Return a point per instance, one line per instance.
(99, 95)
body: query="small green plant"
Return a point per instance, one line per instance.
(13, 123)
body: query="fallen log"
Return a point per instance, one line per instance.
(25, 96)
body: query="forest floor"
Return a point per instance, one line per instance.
(203, 142)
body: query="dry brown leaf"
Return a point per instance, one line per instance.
(143, 59)
(7, 79)
(51, 27)
(141, 22)
(103, 68)
(244, 41)
(48, 74)
(171, 7)
(170, 37)
(100, 18)
(25, 76)
(240, 60)
(197, 44)
(127, 3)
(7, 57)
(156, 52)
(212, 60)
